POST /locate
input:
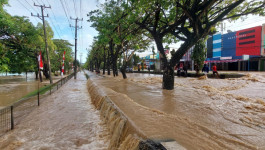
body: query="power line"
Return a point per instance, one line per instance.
(54, 18)
(66, 15)
(67, 7)
(55, 28)
(26, 8)
(31, 6)
(42, 2)
(36, 1)
(75, 8)
(81, 10)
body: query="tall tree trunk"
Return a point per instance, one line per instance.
(168, 74)
(36, 75)
(112, 57)
(104, 61)
(123, 70)
(108, 63)
(26, 75)
(45, 69)
(91, 66)
(168, 78)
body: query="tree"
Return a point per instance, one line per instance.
(19, 44)
(199, 55)
(136, 59)
(57, 55)
(187, 21)
(169, 21)
(125, 37)
(51, 46)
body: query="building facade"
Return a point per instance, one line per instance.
(241, 50)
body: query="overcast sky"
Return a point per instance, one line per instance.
(62, 10)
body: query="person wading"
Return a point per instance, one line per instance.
(205, 70)
(214, 68)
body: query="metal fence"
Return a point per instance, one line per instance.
(10, 116)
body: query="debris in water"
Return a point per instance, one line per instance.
(203, 77)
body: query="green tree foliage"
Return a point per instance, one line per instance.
(57, 55)
(199, 54)
(136, 60)
(21, 41)
(118, 32)
(187, 21)
(170, 21)
(19, 44)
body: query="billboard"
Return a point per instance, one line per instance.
(248, 41)
(229, 45)
(217, 45)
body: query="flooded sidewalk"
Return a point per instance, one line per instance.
(64, 120)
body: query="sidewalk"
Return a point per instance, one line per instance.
(64, 120)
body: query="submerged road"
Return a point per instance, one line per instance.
(64, 120)
(197, 114)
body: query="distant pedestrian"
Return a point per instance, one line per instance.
(214, 68)
(138, 68)
(205, 69)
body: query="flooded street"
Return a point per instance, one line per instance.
(12, 88)
(197, 114)
(64, 120)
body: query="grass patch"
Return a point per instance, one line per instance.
(87, 76)
(43, 90)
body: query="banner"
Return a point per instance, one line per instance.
(63, 63)
(40, 61)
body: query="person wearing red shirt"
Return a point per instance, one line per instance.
(214, 68)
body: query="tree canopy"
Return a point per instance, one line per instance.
(21, 41)
(166, 21)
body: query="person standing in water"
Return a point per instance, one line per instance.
(214, 68)
(205, 70)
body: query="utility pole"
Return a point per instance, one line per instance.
(45, 36)
(76, 27)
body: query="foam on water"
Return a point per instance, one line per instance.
(212, 108)
(65, 120)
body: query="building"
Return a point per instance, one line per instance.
(241, 50)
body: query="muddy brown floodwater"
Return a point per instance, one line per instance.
(65, 120)
(12, 88)
(197, 114)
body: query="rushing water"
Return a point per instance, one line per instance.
(197, 114)
(65, 120)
